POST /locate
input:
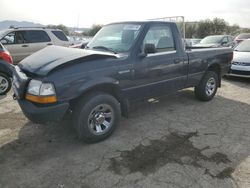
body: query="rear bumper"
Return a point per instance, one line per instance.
(43, 115)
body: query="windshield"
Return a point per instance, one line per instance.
(116, 38)
(211, 40)
(243, 46)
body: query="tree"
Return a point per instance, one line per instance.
(219, 26)
(245, 30)
(61, 27)
(204, 28)
(216, 26)
(233, 30)
(93, 30)
(190, 30)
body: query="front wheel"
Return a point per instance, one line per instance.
(96, 116)
(207, 87)
(5, 83)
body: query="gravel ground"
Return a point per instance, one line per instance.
(172, 141)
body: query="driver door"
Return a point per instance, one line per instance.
(163, 71)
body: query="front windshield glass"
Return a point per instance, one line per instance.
(116, 38)
(211, 40)
(243, 46)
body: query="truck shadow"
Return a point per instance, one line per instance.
(210, 131)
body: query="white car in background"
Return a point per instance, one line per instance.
(22, 42)
(240, 65)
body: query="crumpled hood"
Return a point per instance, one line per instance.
(51, 57)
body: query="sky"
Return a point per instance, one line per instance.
(84, 13)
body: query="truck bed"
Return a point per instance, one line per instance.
(199, 58)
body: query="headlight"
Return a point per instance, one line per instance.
(41, 92)
(47, 89)
(34, 87)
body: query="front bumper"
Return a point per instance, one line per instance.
(239, 71)
(43, 115)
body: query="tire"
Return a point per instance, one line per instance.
(5, 83)
(207, 87)
(96, 116)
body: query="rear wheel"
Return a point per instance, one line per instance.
(207, 87)
(5, 83)
(96, 117)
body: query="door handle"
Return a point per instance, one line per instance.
(25, 45)
(49, 44)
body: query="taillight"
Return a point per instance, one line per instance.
(6, 57)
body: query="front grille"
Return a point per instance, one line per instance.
(247, 73)
(240, 63)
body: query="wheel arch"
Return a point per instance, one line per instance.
(215, 67)
(106, 87)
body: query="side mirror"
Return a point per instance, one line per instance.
(149, 48)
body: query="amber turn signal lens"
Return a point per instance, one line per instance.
(41, 99)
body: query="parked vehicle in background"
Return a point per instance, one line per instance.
(22, 42)
(240, 65)
(5, 70)
(124, 62)
(216, 41)
(81, 45)
(241, 37)
(191, 41)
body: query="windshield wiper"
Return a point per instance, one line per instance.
(105, 48)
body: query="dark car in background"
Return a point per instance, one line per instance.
(5, 70)
(216, 41)
(241, 37)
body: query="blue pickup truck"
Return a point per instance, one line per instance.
(124, 62)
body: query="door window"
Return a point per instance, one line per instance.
(9, 39)
(37, 36)
(161, 37)
(225, 40)
(60, 35)
(17, 37)
(230, 39)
